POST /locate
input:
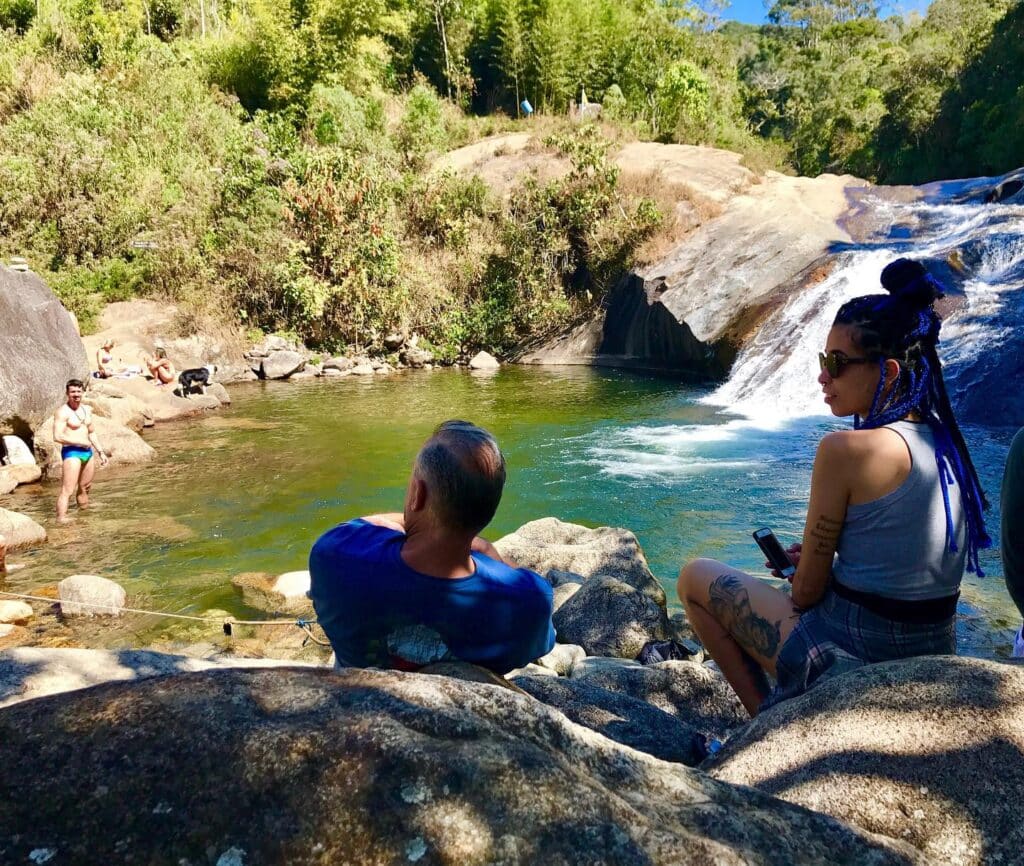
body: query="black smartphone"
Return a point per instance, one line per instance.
(774, 553)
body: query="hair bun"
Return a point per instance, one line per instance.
(907, 280)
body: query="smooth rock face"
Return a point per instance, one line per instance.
(18, 452)
(216, 389)
(310, 766)
(549, 544)
(126, 410)
(123, 446)
(608, 617)
(90, 595)
(929, 749)
(483, 361)
(562, 593)
(619, 717)
(281, 364)
(7, 483)
(689, 691)
(39, 351)
(563, 658)
(16, 612)
(20, 531)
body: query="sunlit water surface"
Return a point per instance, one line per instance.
(251, 487)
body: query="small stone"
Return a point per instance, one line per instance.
(416, 849)
(17, 612)
(483, 361)
(42, 855)
(232, 857)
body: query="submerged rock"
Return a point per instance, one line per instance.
(608, 617)
(90, 595)
(929, 749)
(304, 766)
(286, 593)
(549, 544)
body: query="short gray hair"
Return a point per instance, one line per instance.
(464, 471)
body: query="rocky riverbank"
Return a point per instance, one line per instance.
(584, 756)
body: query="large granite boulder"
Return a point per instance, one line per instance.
(549, 544)
(608, 617)
(691, 692)
(39, 351)
(929, 749)
(20, 531)
(280, 365)
(125, 409)
(313, 766)
(619, 717)
(124, 447)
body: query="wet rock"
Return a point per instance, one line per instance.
(302, 766)
(690, 692)
(281, 364)
(930, 750)
(216, 389)
(285, 593)
(90, 595)
(548, 545)
(39, 351)
(563, 658)
(608, 617)
(123, 446)
(15, 612)
(20, 531)
(619, 717)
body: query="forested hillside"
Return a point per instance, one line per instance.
(267, 160)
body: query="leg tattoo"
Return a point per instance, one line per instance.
(730, 605)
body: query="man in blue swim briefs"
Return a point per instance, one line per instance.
(404, 590)
(73, 430)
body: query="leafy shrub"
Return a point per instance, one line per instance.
(446, 209)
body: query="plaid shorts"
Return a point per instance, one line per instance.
(838, 635)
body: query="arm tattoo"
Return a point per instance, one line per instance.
(826, 535)
(730, 605)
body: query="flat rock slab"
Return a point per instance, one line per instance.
(27, 673)
(311, 766)
(929, 749)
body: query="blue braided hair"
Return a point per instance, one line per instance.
(903, 326)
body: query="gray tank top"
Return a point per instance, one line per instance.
(896, 546)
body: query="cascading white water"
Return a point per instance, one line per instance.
(775, 375)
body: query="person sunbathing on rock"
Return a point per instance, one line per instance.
(895, 514)
(105, 360)
(74, 431)
(404, 590)
(161, 368)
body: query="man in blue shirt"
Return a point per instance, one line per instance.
(377, 581)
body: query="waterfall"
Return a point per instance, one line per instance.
(982, 344)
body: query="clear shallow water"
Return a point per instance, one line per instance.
(251, 487)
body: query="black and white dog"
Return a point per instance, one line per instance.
(197, 378)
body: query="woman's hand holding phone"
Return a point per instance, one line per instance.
(793, 551)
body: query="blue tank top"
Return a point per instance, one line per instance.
(896, 546)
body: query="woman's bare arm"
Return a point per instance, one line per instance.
(826, 512)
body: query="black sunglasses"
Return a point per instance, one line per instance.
(835, 362)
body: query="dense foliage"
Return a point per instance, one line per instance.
(270, 160)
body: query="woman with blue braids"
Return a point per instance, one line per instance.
(895, 514)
